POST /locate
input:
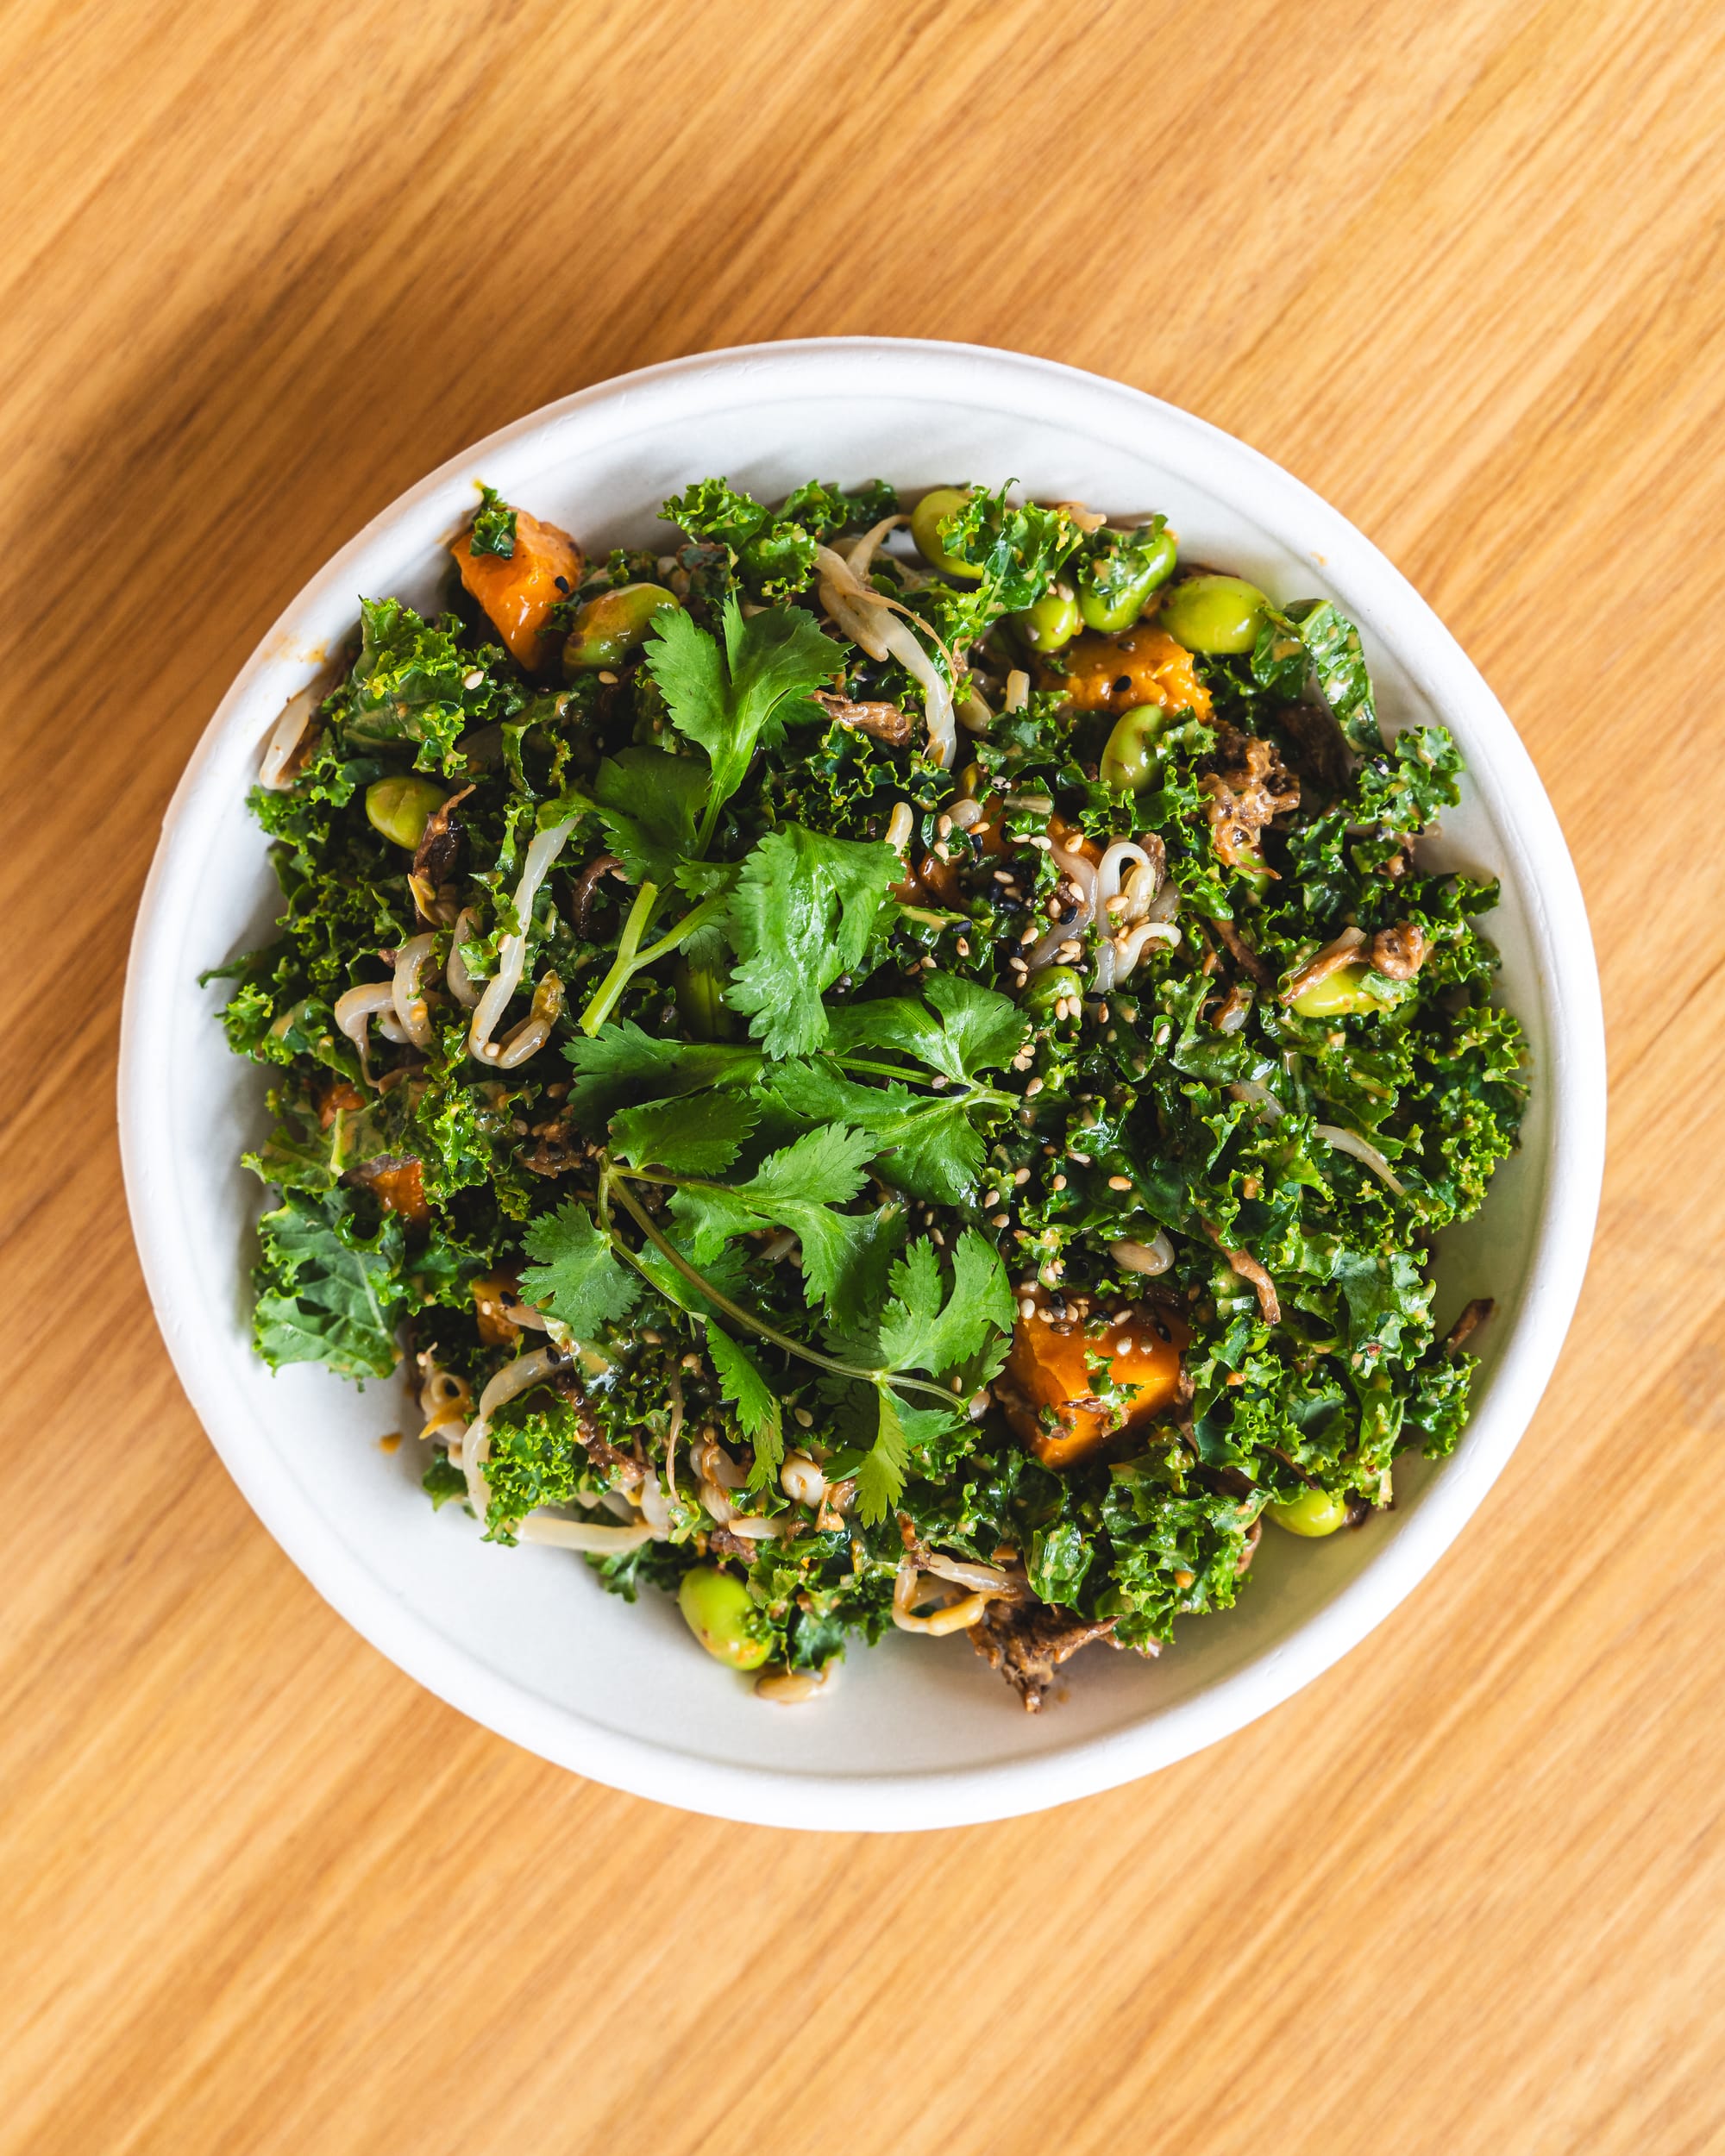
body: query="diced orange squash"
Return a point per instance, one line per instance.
(398, 1185)
(519, 593)
(1141, 665)
(1049, 1367)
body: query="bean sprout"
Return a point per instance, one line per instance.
(518, 1377)
(1257, 1095)
(980, 1578)
(1352, 1142)
(900, 825)
(872, 620)
(965, 813)
(861, 555)
(286, 736)
(511, 957)
(787, 1688)
(581, 1534)
(462, 985)
(1018, 690)
(411, 1011)
(801, 1479)
(957, 1616)
(1148, 1258)
(1332, 956)
(353, 1010)
(535, 1030)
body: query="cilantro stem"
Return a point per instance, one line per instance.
(617, 1178)
(631, 959)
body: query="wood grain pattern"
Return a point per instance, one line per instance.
(1458, 265)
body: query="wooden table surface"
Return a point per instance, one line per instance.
(1456, 263)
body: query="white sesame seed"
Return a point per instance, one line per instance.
(805, 1418)
(472, 680)
(1003, 875)
(963, 948)
(1021, 1176)
(1027, 1309)
(1123, 1347)
(609, 679)
(1059, 1182)
(1119, 1183)
(990, 1198)
(1029, 935)
(943, 826)
(1035, 1086)
(1002, 1220)
(1046, 844)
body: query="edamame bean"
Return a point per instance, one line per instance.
(1314, 1512)
(1128, 756)
(1339, 994)
(1117, 601)
(1052, 621)
(401, 808)
(721, 1613)
(1213, 613)
(925, 521)
(1052, 987)
(610, 624)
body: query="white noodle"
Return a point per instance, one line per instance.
(1130, 947)
(1143, 1257)
(1352, 1142)
(462, 985)
(353, 1010)
(410, 1012)
(286, 736)
(511, 957)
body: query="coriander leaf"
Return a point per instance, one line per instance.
(772, 659)
(926, 1328)
(983, 1030)
(926, 1144)
(578, 1277)
(794, 1188)
(978, 1029)
(801, 915)
(648, 802)
(757, 1407)
(493, 528)
(694, 1137)
(621, 1063)
(882, 1476)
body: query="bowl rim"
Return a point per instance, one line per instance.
(782, 1796)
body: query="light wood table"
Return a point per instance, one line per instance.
(1458, 264)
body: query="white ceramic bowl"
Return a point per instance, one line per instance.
(914, 1732)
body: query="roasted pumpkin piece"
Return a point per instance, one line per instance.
(1141, 665)
(1050, 1366)
(519, 590)
(398, 1183)
(336, 1095)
